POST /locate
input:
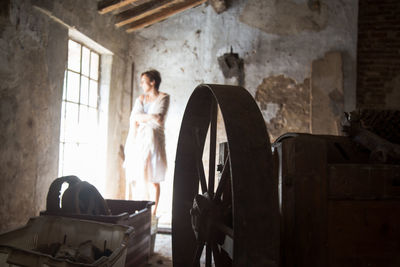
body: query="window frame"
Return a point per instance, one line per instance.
(80, 105)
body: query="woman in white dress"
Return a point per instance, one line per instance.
(145, 157)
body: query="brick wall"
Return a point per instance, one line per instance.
(378, 60)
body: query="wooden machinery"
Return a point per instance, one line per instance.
(304, 201)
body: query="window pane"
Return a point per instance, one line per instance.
(73, 87)
(71, 159)
(78, 159)
(84, 164)
(62, 127)
(88, 125)
(92, 122)
(71, 122)
(61, 160)
(84, 136)
(94, 66)
(74, 56)
(93, 94)
(65, 86)
(84, 90)
(85, 61)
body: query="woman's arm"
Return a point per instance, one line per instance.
(157, 117)
(141, 118)
(136, 111)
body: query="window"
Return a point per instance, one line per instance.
(81, 144)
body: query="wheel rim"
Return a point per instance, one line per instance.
(246, 184)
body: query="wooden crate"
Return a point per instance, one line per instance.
(131, 213)
(338, 208)
(24, 246)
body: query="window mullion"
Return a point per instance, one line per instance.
(80, 84)
(98, 88)
(90, 69)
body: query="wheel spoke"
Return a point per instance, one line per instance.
(217, 256)
(208, 255)
(215, 253)
(226, 230)
(199, 163)
(224, 178)
(227, 247)
(213, 141)
(201, 175)
(197, 255)
(221, 258)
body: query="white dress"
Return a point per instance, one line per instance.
(145, 157)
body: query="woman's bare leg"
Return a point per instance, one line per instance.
(147, 177)
(157, 197)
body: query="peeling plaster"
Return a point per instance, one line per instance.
(271, 111)
(284, 104)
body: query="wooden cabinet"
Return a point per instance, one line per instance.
(338, 208)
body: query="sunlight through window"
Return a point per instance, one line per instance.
(80, 142)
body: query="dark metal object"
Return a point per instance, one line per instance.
(232, 66)
(53, 196)
(238, 222)
(83, 198)
(384, 123)
(376, 130)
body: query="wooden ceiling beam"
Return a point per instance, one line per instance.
(142, 11)
(110, 5)
(163, 14)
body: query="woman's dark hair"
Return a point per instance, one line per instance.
(153, 75)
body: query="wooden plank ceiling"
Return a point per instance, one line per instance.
(137, 14)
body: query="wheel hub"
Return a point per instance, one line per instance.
(204, 216)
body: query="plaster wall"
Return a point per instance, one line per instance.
(185, 49)
(33, 57)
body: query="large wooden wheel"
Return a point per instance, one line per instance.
(234, 220)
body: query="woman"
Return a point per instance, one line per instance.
(145, 158)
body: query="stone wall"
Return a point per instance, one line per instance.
(33, 56)
(378, 61)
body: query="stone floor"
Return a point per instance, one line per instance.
(162, 255)
(162, 251)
